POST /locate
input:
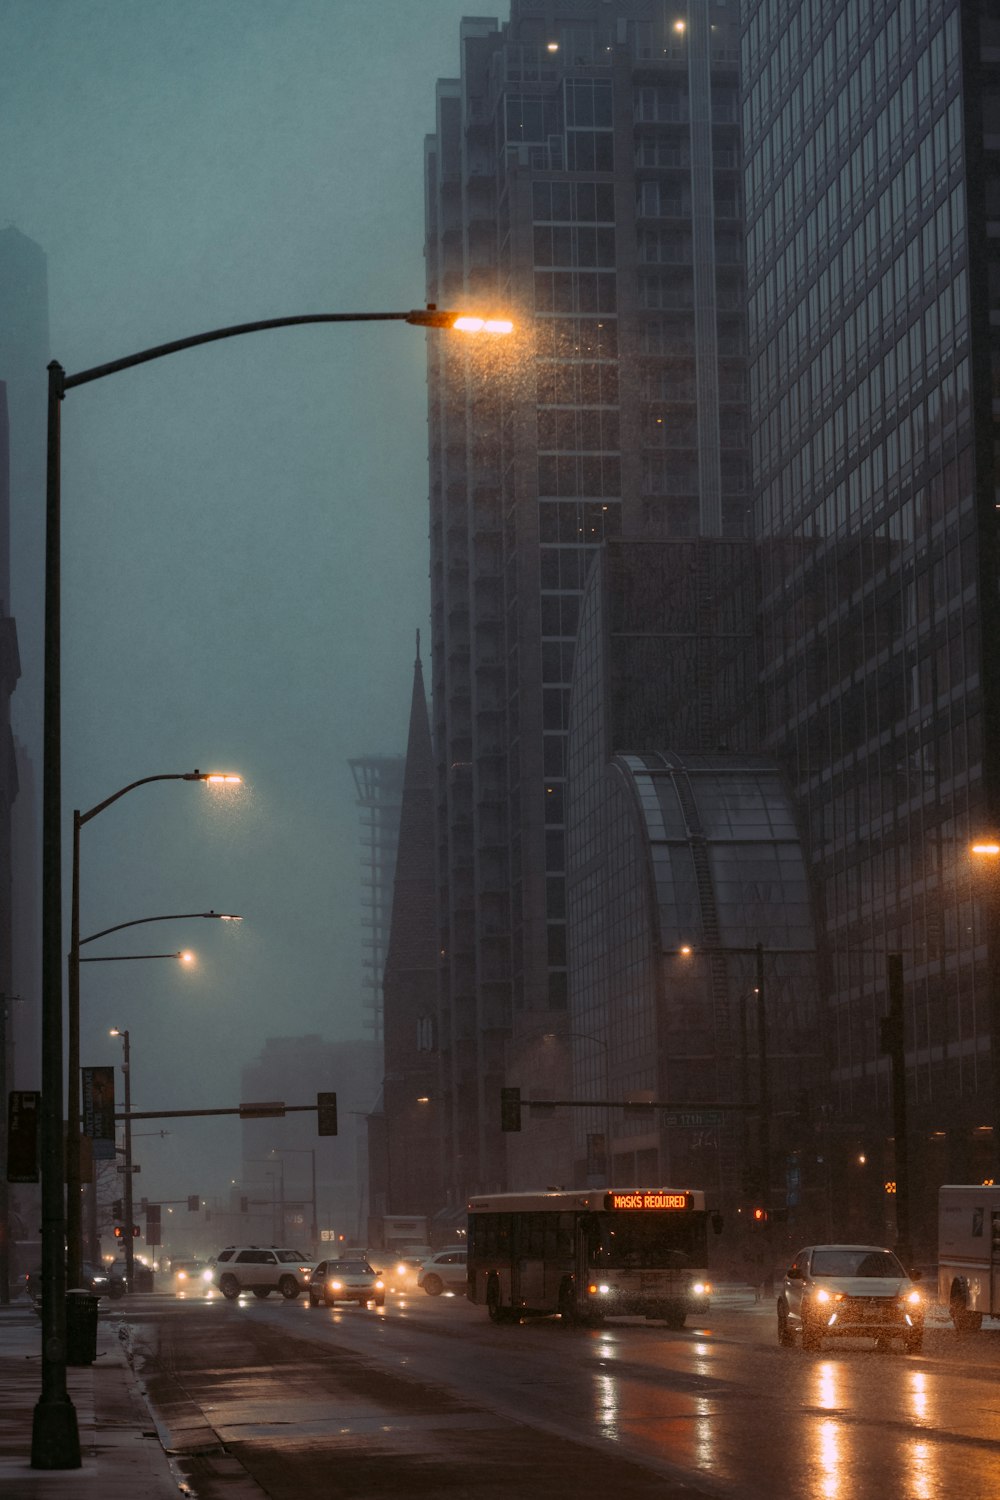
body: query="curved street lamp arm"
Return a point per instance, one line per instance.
(143, 781)
(177, 916)
(123, 958)
(429, 317)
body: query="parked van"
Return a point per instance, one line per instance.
(969, 1254)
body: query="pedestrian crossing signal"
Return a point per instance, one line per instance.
(760, 1216)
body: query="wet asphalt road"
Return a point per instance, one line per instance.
(427, 1399)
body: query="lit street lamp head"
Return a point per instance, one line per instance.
(436, 317)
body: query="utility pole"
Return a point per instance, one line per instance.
(127, 1192)
(764, 1120)
(893, 1042)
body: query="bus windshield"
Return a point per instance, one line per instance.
(667, 1241)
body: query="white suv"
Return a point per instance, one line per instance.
(261, 1269)
(444, 1272)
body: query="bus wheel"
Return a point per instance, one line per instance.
(568, 1310)
(493, 1306)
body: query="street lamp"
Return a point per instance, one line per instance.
(55, 1438)
(127, 1191)
(757, 952)
(74, 1211)
(184, 957)
(302, 1151)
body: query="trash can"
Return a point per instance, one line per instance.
(81, 1327)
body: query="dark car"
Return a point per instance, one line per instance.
(102, 1281)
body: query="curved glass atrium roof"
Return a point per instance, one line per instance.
(727, 864)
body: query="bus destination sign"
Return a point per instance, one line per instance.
(649, 1199)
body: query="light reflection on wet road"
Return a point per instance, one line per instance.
(723, 1408)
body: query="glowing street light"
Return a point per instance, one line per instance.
(74, 1207)
(469, 324)
(55, 1438)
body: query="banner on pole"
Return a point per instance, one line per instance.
(99, 1111)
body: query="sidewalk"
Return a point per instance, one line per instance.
(121, 1457)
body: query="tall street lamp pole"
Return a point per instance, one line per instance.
(127, 1189)
(302, 1151)
(74, 1208)
(763, 1078)
(55, 1438)
(74, 1219)
(88, 1236)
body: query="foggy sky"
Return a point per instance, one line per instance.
(245, 548)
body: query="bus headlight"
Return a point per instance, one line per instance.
(702, 1288)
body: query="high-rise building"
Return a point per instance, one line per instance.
(378, 780)
(584, 170)
(872, 150)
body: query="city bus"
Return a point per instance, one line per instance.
(591, 1254)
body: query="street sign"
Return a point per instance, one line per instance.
(121, 1167)
(153, 1224)
(264, 1111)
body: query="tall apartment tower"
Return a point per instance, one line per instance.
(872, 148)
(584, 171)
(378, 781)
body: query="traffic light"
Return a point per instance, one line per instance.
(760, 1216)
(194, 1203)
(116, 1209)
(510, 1109)
(135, 1231)
(119, 1232)
(326, 1114)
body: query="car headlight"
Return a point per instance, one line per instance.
(335, 1286)
(702, 1288)
(379, 1284)
(182, 1276)
(913, 1298)
(206, 1275)
(822, 1295)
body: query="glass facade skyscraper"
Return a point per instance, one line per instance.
(584, 170)
(872, 151)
